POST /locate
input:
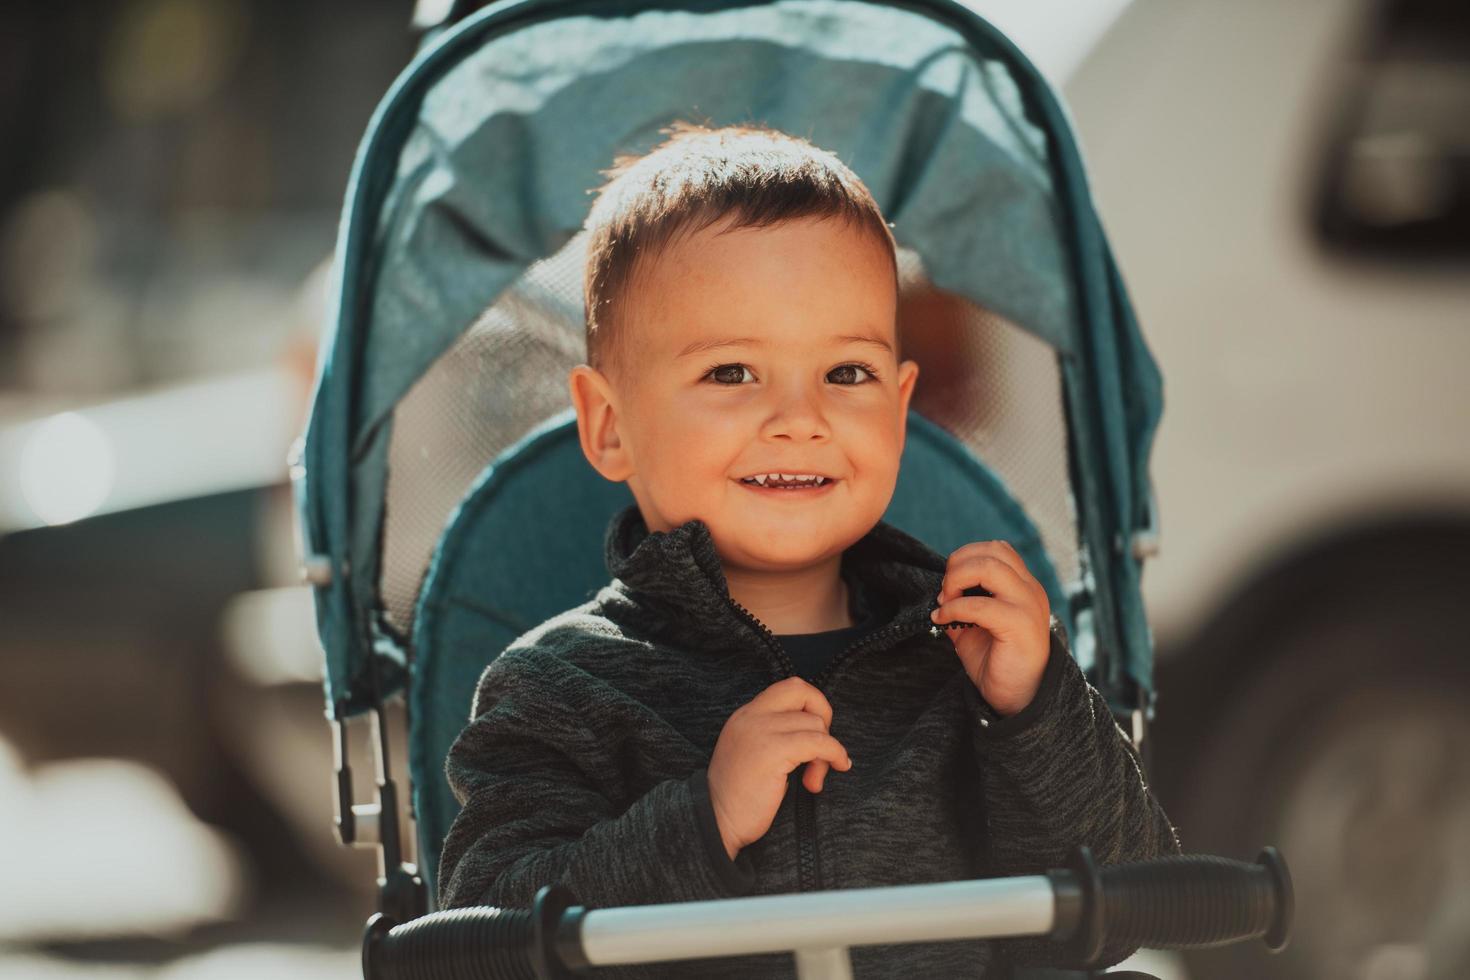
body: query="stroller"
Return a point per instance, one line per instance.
(445, 505)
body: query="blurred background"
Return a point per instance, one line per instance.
(1287, 187)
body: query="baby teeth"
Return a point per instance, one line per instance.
(762, 478)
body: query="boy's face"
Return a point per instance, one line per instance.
(794, 372)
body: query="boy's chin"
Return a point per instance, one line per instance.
(788, 545)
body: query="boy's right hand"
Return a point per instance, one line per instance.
(762, 741)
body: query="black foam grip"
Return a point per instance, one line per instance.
(482, 943)
(1193, 901)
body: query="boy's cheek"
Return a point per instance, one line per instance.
(708, 415)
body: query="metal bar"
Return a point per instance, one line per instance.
(816, 921)
(832, 963)
(390, 854)
(343, 816)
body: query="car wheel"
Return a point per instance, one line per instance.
(1350, 751)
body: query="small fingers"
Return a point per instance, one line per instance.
(785, 722)
(996, 615)
(815, 775)
(990, 571)
(821, 752)
(979, 548)
(795, 694)
(973, 568)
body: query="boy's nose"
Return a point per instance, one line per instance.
(797, 414)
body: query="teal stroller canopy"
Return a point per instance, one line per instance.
(445, 506)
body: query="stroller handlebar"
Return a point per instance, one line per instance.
(1177, 902)
(1189, 901)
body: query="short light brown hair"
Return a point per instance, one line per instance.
(755, 175)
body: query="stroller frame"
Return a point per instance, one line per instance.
(326, 562)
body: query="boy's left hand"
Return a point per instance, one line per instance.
(1005, 653)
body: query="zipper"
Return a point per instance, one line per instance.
(766, 634)
(809, 872)
(806, 869)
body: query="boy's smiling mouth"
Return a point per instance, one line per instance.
(787, 481)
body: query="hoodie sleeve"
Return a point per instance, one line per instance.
(1061, 773)
(535, 812)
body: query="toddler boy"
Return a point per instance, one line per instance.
(743, 377)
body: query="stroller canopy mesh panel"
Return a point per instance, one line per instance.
(497, 170)
(458, 304)
(995, 388)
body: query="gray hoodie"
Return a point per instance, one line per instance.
(585, 759)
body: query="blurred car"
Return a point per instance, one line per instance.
(1287, 187)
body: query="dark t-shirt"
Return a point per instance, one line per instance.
(810, 652)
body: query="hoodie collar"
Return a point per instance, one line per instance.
(677, 579)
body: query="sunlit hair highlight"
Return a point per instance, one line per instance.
(754, 175)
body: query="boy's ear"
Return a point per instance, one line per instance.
(598, 414)
(908, 375)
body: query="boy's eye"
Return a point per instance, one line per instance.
(728, 374)
(848, 375)
(850, 371)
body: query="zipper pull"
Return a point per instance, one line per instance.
(974, 590)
